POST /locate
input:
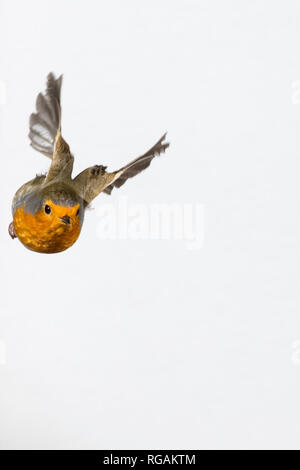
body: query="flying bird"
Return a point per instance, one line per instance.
(48, 211)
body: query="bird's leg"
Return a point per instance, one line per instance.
(11, 230)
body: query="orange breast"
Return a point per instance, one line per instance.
(47, 234)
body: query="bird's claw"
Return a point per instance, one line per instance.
(98, 170)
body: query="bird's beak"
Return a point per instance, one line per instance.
(66, 219)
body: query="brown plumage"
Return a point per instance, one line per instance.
(48, 211)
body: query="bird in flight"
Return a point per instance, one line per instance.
(48, 211)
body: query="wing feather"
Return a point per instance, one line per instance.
(46, 121)
(138, 165)
(94, 180)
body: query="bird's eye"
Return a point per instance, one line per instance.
(47, 209)
(77, 213)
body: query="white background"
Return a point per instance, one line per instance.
(124, 344)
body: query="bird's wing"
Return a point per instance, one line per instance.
(44, 124)
(95, 180)
(45, 130)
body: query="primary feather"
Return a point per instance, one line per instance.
(45, 123)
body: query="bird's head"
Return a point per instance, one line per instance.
(49, 221)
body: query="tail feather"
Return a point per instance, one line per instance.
(46, 122)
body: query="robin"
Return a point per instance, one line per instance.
(48, 211)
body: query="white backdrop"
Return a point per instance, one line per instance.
(118, 343)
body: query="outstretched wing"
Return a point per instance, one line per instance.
(136, 166)
(45, 123)
(94, 180)
(45, 130)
